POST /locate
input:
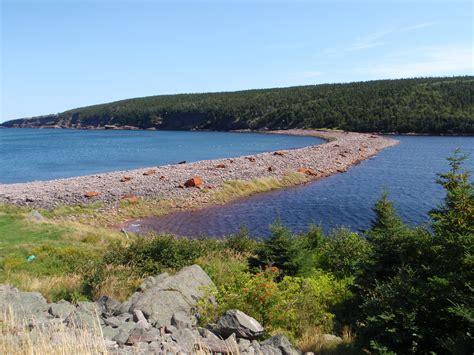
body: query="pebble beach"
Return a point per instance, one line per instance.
(341, 151)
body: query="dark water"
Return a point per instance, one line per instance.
(46, 154)
(407, 171)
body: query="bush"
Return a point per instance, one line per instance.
(344, 253)
(290, 306)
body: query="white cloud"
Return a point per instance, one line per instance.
(377, 38)
(447, 60)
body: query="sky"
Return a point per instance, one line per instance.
(59, 55)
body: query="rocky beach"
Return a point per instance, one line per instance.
(188, 181)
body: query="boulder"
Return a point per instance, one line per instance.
(132, 199)
(236, 322)
(125, 178)
(86, 315)
(251, 159)
(22, 305)
(194, 182)
(166, 295)
(182, 320)
(107, 305)
(281, 344)
(307, 171)
(140, 335)
(61, 309)
(220, 166)
(186, 339)
(149, 172)
(90, 194)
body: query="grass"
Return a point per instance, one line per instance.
(16, 338)
(60, 250)
(241, 188)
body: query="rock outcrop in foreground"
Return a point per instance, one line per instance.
(160, 318)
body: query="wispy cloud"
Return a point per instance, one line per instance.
(416, 27)
(378, 38)
(312, 74)
(447, 60)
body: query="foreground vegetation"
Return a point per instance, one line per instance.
(392, 289)
(425, 105)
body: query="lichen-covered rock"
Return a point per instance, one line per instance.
(168, 295)
(61, 309)
(22, 305)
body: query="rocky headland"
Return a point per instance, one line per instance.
(188, 181)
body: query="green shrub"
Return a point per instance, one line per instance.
(291, 306)
(344, 252)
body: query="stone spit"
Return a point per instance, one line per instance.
(186, 181)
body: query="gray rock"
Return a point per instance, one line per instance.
(61, 309)
(181, 320)
(141, 335)
(185, 339)
(86, 315)
(109, 332)
(231, 344)
(35, 216)
(269, 350)
(124, 331)
(22, 305)
(114, 322)
(108, 305)
(140, 319)
(281, 343)
(165, 295)
(244, 344)
(124, 307)
(238, 323)
(170, 329)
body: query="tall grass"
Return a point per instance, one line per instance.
(53, 338)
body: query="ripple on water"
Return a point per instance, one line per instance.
(407, 171)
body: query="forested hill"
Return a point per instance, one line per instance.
(430, 105)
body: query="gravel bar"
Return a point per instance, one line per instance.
(341, 151)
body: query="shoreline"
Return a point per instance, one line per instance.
(341, 151)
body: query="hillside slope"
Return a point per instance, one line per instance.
(429, 105)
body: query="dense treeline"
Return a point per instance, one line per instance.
(425, 105)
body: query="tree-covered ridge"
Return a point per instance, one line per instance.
(425, 105)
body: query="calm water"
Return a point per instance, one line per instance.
(407, 171)
(46, 154)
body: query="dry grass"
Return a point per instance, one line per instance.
(118, 284)
(55, 338)
(49, 286)
(314, 341)
(241, 188)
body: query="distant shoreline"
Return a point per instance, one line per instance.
(341, 151)
(133, 128)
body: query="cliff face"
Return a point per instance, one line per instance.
(50, 121)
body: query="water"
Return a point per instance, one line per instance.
(46, 154)
(407, 172)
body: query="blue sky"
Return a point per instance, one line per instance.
(57, 55)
